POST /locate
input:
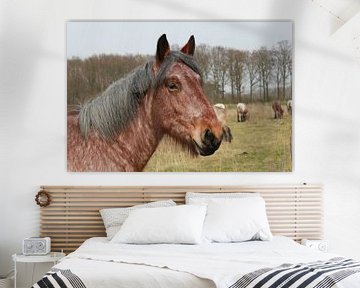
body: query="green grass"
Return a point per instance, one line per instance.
(261, 145)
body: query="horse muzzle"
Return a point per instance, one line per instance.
(209, 143)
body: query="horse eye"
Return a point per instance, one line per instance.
(172, 86)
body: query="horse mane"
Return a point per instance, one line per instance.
(110, 112)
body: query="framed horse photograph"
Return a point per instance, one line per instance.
(179, 96)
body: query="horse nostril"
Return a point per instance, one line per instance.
(208, 135)
(209, 138)
(209, 142)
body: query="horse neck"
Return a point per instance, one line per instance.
(141, 137)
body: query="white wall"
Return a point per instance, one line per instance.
(33, 101)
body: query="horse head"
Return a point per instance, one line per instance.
(180, 106)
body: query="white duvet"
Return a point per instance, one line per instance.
(100, 263)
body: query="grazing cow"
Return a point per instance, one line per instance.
(220, 112)
(242, 112)
(279, 112)
(289, 106)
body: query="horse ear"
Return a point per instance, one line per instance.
(189, 47)
(163, 49)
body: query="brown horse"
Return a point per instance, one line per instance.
(121, 129)
(278, 111)
(220, 111)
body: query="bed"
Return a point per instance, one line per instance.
(294, 213)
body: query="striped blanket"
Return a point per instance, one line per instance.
(319, 274)
(59, 278)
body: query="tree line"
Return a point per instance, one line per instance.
(88, 77)
(229, 75)
(246, 76)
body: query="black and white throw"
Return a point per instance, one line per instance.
(319, 274)
(59, 278)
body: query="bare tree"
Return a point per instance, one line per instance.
(236, 67)
(265, 66)
(284, 61)
(277, 72)
(240, 58)
(290, 75)
(219, 69)
(203, 57)
(252, 71)
(230, 59)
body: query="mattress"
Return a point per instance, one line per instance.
(99, 263)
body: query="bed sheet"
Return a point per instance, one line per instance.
(100, 263)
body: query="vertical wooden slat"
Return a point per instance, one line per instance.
(73, 215)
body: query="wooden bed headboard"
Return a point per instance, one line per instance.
(73, 214)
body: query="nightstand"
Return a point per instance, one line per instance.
(320, 245)
(53, 257)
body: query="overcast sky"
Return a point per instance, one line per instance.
(87, 38)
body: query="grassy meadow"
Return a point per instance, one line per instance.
(262, 144)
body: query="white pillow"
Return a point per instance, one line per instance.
(113, 218)
(236, 220)
(180, 224)
(204, 198)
